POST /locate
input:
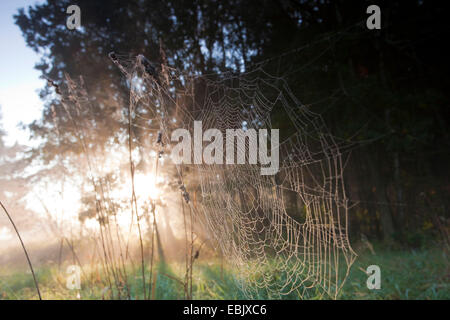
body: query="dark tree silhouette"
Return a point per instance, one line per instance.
(387, 87)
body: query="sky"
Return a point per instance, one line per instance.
(19, 81)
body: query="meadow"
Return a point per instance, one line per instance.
(405, 274)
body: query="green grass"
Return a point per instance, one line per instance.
(413, 274)
(423, 274)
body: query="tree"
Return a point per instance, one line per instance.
(384, 88)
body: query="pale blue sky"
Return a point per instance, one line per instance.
(19, 81)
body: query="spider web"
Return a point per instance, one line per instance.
(285, 233)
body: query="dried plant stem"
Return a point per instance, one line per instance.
(24, 250)
(153, 207)
(191, 261)
(151, 288)
(133, 196)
